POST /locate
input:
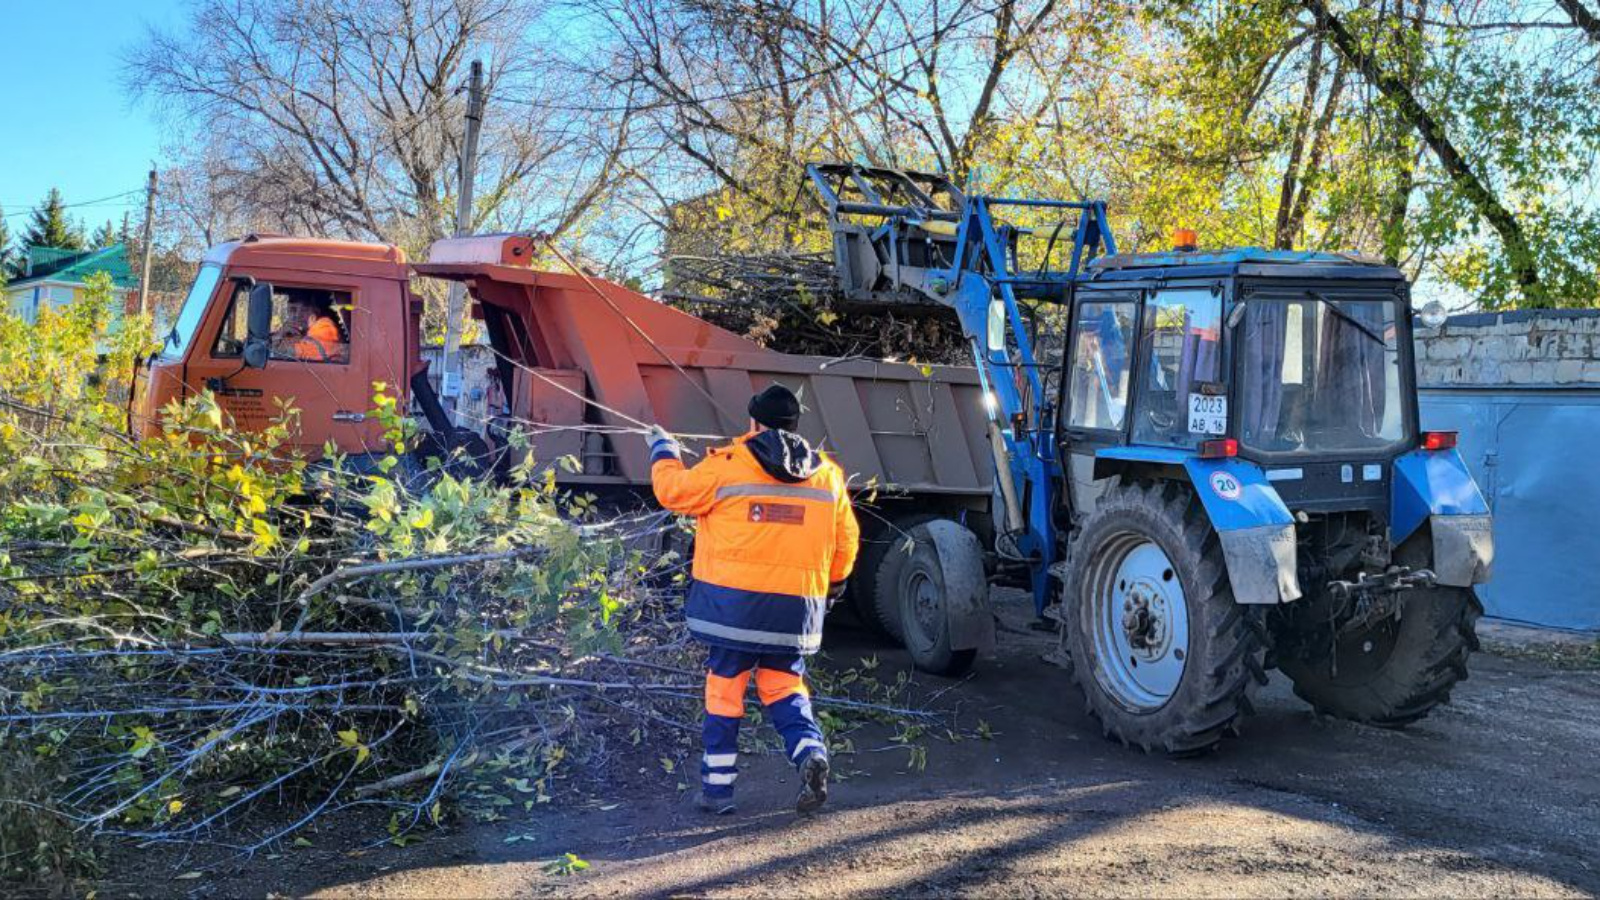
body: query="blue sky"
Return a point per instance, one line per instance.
(70, 123)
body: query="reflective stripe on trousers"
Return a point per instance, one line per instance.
(780, 683)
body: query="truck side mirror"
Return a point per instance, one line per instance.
(258, 321)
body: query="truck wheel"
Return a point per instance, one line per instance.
(1396, 671)
(1165, 658)
(880, 609)
(926, 581)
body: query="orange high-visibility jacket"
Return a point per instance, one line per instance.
(321, 343)
(766, 549)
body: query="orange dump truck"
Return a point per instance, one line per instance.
(584, 365)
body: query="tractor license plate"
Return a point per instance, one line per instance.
(1208, 414)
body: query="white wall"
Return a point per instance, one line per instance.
(1524, 347)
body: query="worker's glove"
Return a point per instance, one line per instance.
(662, 443)
(836, 591)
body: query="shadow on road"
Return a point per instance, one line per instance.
(1490, 795)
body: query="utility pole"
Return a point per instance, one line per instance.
(149, 236)
(455, 309)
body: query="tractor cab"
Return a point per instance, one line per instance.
(1297, 362)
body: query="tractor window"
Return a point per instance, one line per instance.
(308, 325)
(1099, 370)
(1319, 374)
(1180, 398)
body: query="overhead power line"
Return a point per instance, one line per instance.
(29, 211)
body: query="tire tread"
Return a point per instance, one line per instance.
(1221, 696)
(1444, 664)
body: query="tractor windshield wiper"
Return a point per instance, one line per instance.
(1363, 327)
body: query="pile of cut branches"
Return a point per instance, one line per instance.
(790, 302)
(205, 638)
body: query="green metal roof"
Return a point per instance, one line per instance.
(51, 264)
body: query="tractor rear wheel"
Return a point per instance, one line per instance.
(1394, 671)
(1165, 658)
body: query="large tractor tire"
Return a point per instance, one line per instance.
(1395, 671)
(1165, 658)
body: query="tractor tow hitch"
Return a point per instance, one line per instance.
(1392, 580)
(1373, 597)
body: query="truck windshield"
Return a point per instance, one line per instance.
(1319, 374)
(194, 308)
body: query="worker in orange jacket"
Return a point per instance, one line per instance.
(775, 540)
(310, 334)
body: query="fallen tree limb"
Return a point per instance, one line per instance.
(414, 564)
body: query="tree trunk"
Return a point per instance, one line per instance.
(1319, 146)
(1461, 173)
(1283, 233)
(1394, 224)
(1582, 17)
(1403, 155)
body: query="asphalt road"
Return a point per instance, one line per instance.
(1496, 794)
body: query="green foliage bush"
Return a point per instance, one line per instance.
(199, 623)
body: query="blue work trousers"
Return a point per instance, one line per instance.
(781, 685)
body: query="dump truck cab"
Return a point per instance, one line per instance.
(270, 318)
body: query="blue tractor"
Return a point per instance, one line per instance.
(1209, 464)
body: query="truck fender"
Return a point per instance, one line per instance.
(966, 587)
(1251, 520)
(1434, 486)
(1254, 525)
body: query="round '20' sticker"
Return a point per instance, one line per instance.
(1226, 486)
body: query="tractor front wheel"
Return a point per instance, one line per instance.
(1165, 658)
(1395, 671)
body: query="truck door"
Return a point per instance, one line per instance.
(319, 364)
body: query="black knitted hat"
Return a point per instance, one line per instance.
(776, 407)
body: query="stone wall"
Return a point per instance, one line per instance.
(1538, 347)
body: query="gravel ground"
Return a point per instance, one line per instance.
(1494, 794)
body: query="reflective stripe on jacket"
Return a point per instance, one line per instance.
(765, 550)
